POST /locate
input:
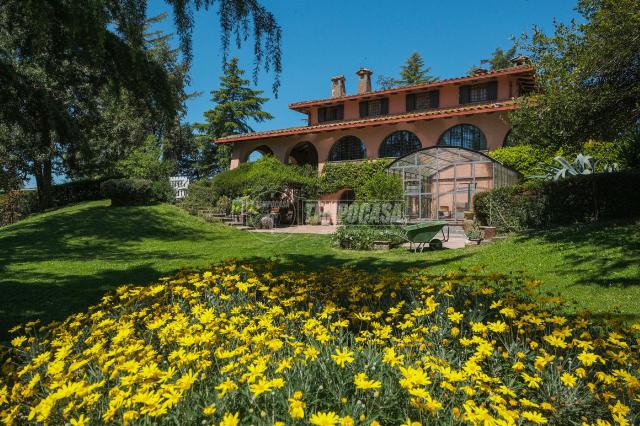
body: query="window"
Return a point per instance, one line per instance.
(374, 108)
(330, 113)
(479, 93)
(465, 136)
(348, 148)
(422, 101)
(398, 144)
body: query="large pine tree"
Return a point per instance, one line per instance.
(236, 106)
(411, 73)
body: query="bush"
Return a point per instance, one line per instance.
(200, 195)
(524, 159)
(16, 205)
(76, 191)
(264, 177)
(246, 342)
(134, 192)
(361, 237)
(576, 199)
(351, 174)
(381, 186)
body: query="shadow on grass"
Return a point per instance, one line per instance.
(89, 233)
(597, 252)
(56, 296)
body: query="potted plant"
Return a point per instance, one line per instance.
(313, 220)
(473, 233)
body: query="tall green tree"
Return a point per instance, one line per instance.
(58, 59)
(588, 74)
(411, 73)
(237, 106)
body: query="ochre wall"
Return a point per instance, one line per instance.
(494, 126)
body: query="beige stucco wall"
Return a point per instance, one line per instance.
(494, 126)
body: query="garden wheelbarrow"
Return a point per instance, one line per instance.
(424, 233)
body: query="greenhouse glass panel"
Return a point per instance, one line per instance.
(440, 182)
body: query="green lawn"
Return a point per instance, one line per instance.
(60, 262)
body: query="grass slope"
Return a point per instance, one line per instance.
(60, 262)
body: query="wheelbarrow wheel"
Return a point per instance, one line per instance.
(435, 244)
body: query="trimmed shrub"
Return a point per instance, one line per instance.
(524, 159)
(576, 199)
(16, 205)
(76, 191)
(134, 192)
(200, 195)
(361, 237)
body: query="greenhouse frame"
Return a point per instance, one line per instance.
(439, 182)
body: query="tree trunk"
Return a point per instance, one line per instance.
(43, 175)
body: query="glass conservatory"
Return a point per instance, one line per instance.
(440, 182)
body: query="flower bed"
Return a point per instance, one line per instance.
(238, 344)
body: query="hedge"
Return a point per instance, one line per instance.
(16, 205)
(135, 192)
(577, 199)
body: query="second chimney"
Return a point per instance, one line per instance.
(364, 83)
(337, 86)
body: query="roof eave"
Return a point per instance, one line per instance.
(305, 106)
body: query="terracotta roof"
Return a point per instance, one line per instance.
(520, 69)
(374, 121)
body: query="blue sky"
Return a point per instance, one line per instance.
(326, 38)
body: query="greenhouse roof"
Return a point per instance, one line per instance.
(428, 161)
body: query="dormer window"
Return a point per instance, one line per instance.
(479, 93)
(334, 113)
(422, 101)
(374, 107)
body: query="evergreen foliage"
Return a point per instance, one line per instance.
(64, 64)
(411, 73)
(236, 106)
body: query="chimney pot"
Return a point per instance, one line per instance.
(364, 83)
(337, 86)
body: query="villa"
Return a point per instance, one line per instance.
(438, 133)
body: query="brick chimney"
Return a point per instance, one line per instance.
(337, 86)
(364, 83)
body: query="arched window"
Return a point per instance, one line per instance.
(509, 139)
(302, 154)
(465, 136)
(399, 143)
(258, 153)
(348, 148)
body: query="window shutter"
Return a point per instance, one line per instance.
(492, 91)
(340, 112)
(464, 94)
(435, 99)
(384, 106)
(411, 102)
(322, 114)
(364, 109)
